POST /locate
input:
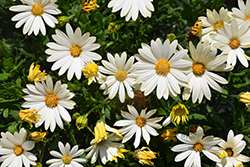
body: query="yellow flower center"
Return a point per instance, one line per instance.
(248, 17)
(180, 111)
(140, 121)
(51, 100)
(218, 25)
(75, 51)
(18, 150)
(198, 147)
(162, 67)
(198, 68)
(37, 9)
(121, 75)
(230, 152)
(66, 159)
(234, 43)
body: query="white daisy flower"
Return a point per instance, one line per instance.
(194, 144)
(231, 151)
(204, 60)
(72, 51)
(15, 149)
(50, 102)
(243, 14)
(120, 76)
(232, 40)
(159, 65)
(67, 157)
(131, 8)
(33, 15)
(213, 21)
(138, 125)
(104, 144)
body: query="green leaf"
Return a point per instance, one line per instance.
(199, 116)
(6, 113)
(4, 76)
(14, 114)
(107, 113)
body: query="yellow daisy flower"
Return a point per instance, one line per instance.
(35, 74)
(179, 113)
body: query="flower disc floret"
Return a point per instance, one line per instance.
(18, 150)
(51, 100)
(162, 67)
(37, 9)
(66, 159)
(198, 147)
(234, 43)
(229, 151)
(121, 75)
(75, 51)
(198, 68)
(140, 121)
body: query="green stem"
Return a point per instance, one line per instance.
(7, 101)
(234, 96)
(78, 17)
(71, 16)
(92, 109)
(181, 36)
(90, 130)
(42, 153)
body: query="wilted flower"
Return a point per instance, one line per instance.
(245, 98)
(38, 136)
(90, 71)
(140, 98)
(145, 157)
(81, 122)
(179, 113)
(113, 27)
(88, 6)
(29, 116)
(169, 134)
(120, 154)
(35, 74)
(193, 128)
(104, 144)
(197, 28)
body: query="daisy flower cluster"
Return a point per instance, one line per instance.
(143, 91)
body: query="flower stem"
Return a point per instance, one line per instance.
(92, 109)
(90, 130)
(42, 152)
